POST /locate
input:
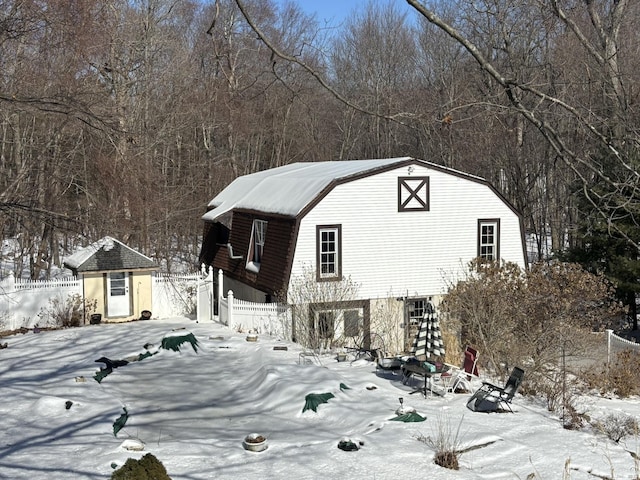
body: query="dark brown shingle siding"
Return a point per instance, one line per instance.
(275, 268)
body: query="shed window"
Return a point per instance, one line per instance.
(117, 284)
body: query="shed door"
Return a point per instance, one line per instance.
(118, 295)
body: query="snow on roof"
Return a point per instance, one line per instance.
(287, 190)
(78, 258)
(106, 244)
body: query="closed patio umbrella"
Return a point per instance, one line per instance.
(428, 341)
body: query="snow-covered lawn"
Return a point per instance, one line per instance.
(193, 410)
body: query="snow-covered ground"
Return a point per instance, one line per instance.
(193, 410)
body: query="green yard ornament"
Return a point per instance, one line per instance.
(144, 355)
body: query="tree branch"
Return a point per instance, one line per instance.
(315, 74)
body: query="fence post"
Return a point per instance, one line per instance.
(198, 302)
(210, 296)
(220, 284)
(609, 332)
(230, 308)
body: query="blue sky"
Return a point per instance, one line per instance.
(336, 11)
(331, 11)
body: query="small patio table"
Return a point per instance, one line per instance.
(427, 370)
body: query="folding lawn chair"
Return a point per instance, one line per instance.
(489, 397)
(458, 377)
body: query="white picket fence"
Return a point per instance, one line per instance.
(270, 319)
(22, 300)
(617, 344)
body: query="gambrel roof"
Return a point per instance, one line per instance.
(284, 196)
(287, 190)
(108, 254)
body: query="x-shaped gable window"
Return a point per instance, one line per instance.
(413, 194)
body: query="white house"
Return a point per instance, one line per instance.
(400, 230)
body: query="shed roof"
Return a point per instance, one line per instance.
(108, 254)
(287, 190)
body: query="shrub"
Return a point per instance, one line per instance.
(446, 444)
(616, 426)
(69, 312)
(146, 468)
(622, 377)
(531, 317)
(624, 374)
(560, 389)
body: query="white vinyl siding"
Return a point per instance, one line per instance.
(413, 194)
(410, 253)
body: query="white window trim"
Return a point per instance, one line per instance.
(495, 223)
(258, 234)
(337, 273)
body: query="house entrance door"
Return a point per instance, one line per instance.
(118, 304)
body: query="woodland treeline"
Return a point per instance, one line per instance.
(125, 117)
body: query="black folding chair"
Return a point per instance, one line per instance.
(489, 397)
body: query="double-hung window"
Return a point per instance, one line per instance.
(489, 239)
(256, 247)
(328, 252)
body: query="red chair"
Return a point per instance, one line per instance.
(461, 376)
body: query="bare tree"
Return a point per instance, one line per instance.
(324, 315)
(596, 27)
(378, 69)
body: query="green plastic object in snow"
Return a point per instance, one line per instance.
(409, 417)
(119, 423)
(312, 400)
(174, 342)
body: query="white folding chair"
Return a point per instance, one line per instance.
(461, 376)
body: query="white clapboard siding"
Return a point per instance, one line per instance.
(391, 253)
